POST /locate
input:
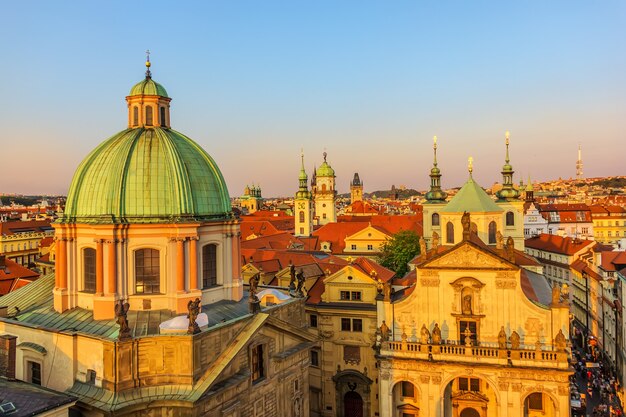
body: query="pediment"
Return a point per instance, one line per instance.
(368, 233)
(469, 396)
(468, 256)
(249, 268)
(343, 277)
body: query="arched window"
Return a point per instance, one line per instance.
(209, 265)
(510, 218)
(148, 115)
(147, 271)
(162, 116)
(449, 233)
(135, 116)
(435, 219)
(492, 233)
(89, 270)
(323, 187)
(301, 217)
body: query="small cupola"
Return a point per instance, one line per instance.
(148, 103)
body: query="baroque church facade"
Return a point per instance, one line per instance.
(145, 314)
(480, 332)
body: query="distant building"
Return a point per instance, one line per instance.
(609, 225)
(251, 201)
(19, 240)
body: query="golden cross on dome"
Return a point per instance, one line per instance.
(148, 75)
(470, 165)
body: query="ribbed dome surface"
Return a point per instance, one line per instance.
(149, 175)
(325, 170)
(148, 87)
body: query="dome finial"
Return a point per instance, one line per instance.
(148, 74)
(435, 150)
(325, 154)
(470, 165)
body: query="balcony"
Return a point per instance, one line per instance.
(483, 355)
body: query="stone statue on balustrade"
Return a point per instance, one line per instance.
(560, 343)
(502, 338)
(121, 310)
(384, 331)
(424, 335)
(292, 277)
(468, 337)
(193, 309)
(436, 336)
(514, 340)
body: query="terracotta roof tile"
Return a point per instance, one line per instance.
(558, 244)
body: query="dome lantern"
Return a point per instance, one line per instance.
(148, 102)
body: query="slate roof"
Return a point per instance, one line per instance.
(30, 399)
(33, 305)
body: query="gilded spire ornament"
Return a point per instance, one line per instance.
(435, 195)
(148, 64)
(508, 191)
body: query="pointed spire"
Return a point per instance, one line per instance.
(508, 191)
(148, 73)
(303, 189)
(470, 166)
(435, 195)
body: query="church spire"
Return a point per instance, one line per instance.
(435, 195)
(303, 189)
(508, 191)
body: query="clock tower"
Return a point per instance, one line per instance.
(303, 205)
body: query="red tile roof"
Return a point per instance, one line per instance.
(38, 226)
(613, 261)
(558, 244)
(14, 276)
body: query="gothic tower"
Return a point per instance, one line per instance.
(356, 189)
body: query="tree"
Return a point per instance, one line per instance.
(398, 250)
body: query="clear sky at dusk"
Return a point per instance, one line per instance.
(372, 82)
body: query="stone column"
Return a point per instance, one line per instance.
(180, 264)
(385, 399)
(112, 266)
(99, 267)
(194, 283)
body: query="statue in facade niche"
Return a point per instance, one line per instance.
(424, 335)
(436, 335)
(121, 310)
(510, 248)
(468, 336)
(466, 305)
(502, 338)
(560, 343)
(514, 340)
(193, 309)
(466, 223)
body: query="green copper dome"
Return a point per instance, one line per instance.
(148, 87)
(147, 175)
(325, 170)
(471, 198)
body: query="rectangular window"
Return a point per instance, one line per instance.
(345, 325)
(408, 390)
(535, 401)
(357, 325)
(464, 324)
(209, 266)
(34, 370)
(258, 371)
(469, 384)
(356, 295)
(313, 320)
(344, 295)
(315, 358)
(353, 247)
(370, 247)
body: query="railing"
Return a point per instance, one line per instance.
(525, 356)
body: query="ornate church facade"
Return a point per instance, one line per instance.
(145, 314)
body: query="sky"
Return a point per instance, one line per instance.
(369, 82)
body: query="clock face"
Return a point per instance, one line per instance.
(301, 205)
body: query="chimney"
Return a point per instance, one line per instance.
(8, 344)
(3, 262)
